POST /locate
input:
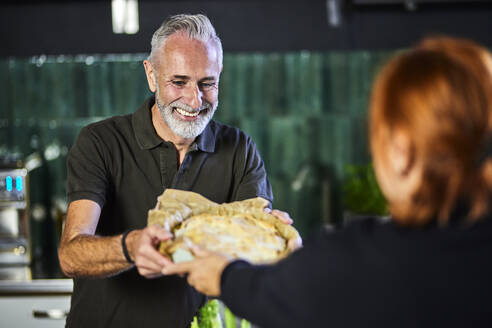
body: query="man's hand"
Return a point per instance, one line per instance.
(142, 246)
(204, 272)
(285, 218)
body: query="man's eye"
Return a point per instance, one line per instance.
(207, 86)
(179, 83)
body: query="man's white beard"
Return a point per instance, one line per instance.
(185, 129)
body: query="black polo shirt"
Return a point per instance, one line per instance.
(123, 165)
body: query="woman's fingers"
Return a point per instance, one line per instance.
(199, 252)
(178, 268)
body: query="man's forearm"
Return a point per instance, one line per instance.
(87, 255)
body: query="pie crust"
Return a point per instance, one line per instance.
(241, 229)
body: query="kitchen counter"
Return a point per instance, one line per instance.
(34, 279)
(36, 295)
(36, 287)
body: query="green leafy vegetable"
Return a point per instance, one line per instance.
(230, 319)
(194, 323)
(245, 324)
(209, 315)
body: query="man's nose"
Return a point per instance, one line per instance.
(193, 96)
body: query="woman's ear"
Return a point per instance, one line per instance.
(397, 170)
(401, 154)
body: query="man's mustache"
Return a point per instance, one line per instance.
(189, 109)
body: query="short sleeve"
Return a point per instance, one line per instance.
(253, 181)
(87, 168)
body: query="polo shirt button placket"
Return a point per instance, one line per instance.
(181, 178)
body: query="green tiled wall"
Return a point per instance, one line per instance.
(306, 111)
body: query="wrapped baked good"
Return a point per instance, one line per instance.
(241, 229)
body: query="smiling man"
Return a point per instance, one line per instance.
(184, 74)
(118, 167)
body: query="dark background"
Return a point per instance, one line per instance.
(84, 27)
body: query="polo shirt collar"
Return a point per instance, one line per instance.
(206, 140)
(147, 138)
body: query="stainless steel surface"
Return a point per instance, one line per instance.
(13, 251)
(36, 286)
(14, 223)
(15, 273)
(9, 222)
(26, 280)
(13, 187)
(55, 314)
(40, 311)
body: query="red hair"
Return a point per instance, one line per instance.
(444, 106)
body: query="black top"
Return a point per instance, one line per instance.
(372, 275)
(123, 165)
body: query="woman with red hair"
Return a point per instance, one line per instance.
(429, 266)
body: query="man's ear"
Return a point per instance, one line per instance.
(151, 75)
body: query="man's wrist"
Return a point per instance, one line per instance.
(124, 246)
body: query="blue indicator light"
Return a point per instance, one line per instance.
(8, 181)
(18, 183)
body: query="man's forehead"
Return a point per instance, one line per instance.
(181, 55)
(182, 43)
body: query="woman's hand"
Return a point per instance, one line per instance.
(204, 272)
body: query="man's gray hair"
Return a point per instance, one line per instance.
(197, 27)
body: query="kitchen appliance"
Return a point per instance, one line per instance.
(14, 208)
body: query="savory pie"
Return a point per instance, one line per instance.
(240, 229)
